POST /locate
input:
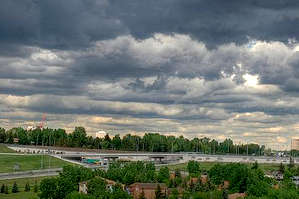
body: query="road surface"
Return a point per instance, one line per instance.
(30, 174)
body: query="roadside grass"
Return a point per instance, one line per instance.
(22, 182)
(5, 149)
(183, 166)
(21, 186)
(19, 195)
(208, 165)
(29, 162)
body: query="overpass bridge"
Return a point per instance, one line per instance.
(166, 158)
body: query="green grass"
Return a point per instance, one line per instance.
(183, 166)
(208, 165)
(20, 195)
(29, 162)
(5, 149)
(21, 185)
(22, 182)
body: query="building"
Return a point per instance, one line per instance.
(83, 187)
(149, 189)
(204, 179)
(295, 180)
(295, 144)
(224, 185)
(236, 195)
(277, 175)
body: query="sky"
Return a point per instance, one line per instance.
(221, 69)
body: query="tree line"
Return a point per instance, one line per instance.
(150, 142)
(240, 178)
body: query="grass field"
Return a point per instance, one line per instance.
(21, 185)
(4, 149)
(20, 195)
(208, 165)
(22, 182)
(29, 162)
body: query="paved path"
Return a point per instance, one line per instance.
(18, 154)
(30, 174)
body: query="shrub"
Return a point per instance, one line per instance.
(2, 188)
(27, 187)
(15, 188)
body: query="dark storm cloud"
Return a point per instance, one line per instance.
(75, 24)
(169, 64)
(56, 24)
(214, 22)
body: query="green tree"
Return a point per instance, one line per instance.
(292, 163)
(27, 187)
(2, 135)
(35, 188)
(79, 137)
(174, 194)
(193, 167)
(118, 192)
(6, 189)
(76, 195)
(48, 188)
(2, 188)
(255, 165)
(116, 142)
(69, 179)
(281, 168)
(225, 194)
(106, 144)
(96, 187)
(15, 188)
(163, 175)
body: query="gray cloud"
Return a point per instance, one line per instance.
(76, 24)
(196, 68)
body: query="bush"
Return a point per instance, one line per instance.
(15, 188)
(193, 168)
(2, 188)
(35, 188)
(6, 189)
(27, 187)
(48, 188)
(76, 195)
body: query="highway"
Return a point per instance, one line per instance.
(30, 174)
(159, 159)
(171, 158)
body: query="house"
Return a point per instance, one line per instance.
(236, 195)
(224, 185)
(193, 181)
(149, 189)
(277, 175)
(172, 176)
(109, 185)
(204, 179)
(83, 187)
(295, 179)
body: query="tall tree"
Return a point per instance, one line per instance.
(15, 188)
